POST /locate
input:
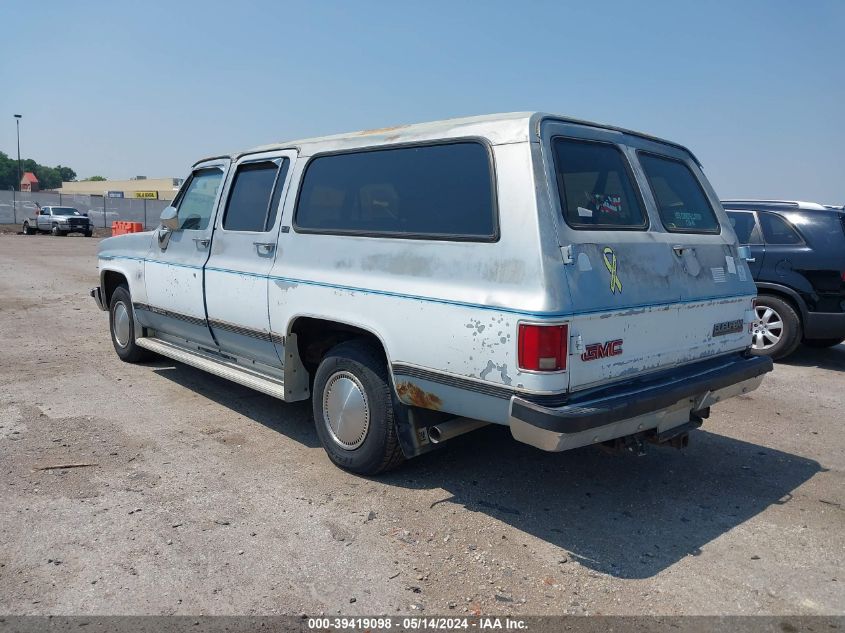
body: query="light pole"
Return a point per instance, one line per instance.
(18, 118)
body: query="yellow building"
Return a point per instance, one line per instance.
(147, 188)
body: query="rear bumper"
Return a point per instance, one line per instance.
(824, 325)
(97, 294)
(657, 403)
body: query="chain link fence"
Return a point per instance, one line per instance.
(15, 206)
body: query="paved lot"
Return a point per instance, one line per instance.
(206, 497)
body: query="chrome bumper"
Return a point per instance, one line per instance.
(662, 404)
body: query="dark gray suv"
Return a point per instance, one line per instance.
(798, 262)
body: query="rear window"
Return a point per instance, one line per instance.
(442, 191)
(595, 186)
(680, 199)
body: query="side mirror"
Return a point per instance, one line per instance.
(169, 218)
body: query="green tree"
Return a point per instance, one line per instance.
(8, 172)
(67, 174)
(94, 179)
(48, 177)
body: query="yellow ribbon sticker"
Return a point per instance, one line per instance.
(610, 263)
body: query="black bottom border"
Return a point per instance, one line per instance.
(420, 622)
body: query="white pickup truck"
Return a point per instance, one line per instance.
(576, 282)
(58, 221)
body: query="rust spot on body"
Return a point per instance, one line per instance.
(413, 395)
(381, 130)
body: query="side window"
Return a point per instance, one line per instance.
(680, 199)
(254, 196)
(744, 226)
(442, 191)
(595, 186)
(196, 205)
(776, 230)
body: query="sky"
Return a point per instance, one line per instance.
(115, 88)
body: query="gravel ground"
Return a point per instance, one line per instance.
(205, 497)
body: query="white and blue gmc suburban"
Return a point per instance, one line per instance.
(577, 282)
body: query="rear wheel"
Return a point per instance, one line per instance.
(823, 342)
(27, 230)
(353, 409)
(776, 329)
(123, 328)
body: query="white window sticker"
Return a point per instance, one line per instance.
(585, 213)
(731, 265)
(718, 274)
(741, 271)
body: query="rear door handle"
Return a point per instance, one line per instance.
(264, 248)
(202, 242)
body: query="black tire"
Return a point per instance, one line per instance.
(126, 349)
(790, 332)
(88, 234)
(27, 230)
(363, 367)
(823, 342)
(56, 232)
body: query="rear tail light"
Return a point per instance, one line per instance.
(543, 347)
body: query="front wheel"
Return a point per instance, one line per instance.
(123, 327)
(823, 342)
(88, 233)
(353, 409)
(776, 328)
(56, 231)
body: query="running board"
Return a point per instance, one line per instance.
(215, 365)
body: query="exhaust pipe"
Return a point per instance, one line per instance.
(453, 428)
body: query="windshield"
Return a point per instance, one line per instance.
(65, 211)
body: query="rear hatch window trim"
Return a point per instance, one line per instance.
(696, 180)
(629, 171)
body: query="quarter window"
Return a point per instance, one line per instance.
(442, 191)
(254, 196)
(197, 202)
(743, 224)
(680, 199)
(595, 186)
(776, 230)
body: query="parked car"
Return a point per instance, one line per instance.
(798, 263)
(576, 282)
(58, 221)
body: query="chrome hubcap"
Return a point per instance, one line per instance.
(346, 410)
(767, 329)
(121, 324)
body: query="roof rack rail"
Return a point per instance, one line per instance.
(793, 204)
